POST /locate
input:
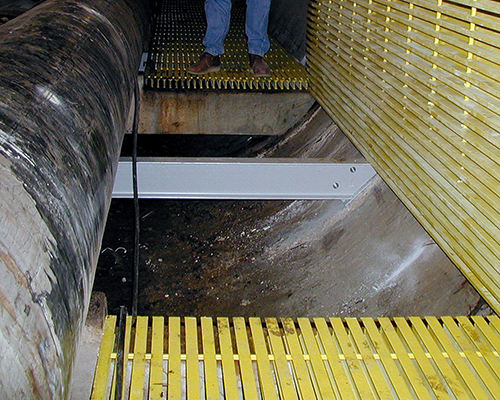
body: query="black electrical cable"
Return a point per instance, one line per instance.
(120, 356)
(120, 353)
(135, 280)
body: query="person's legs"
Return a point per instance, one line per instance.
(257, 19)
(218, 13)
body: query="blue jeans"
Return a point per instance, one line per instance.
(218, 13)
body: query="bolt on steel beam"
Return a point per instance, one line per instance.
(242, 178)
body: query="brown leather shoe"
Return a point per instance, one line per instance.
(259, 67)
(206, 64)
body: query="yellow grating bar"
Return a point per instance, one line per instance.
(272, 358)
(416, 86)
(177, 43)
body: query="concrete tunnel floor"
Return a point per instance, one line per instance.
(366, 257)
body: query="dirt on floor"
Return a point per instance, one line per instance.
(190, 252)
(277, 258)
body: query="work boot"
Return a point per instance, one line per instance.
(259, 67)
(206, 64)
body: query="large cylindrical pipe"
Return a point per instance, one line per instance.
(67, 70)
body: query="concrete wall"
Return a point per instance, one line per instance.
(287, 23)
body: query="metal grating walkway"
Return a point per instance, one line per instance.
(177, 43)
(202, 358)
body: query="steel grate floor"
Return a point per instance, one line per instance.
(178, 34)
(236, 358)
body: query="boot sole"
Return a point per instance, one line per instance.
(208, 71)
(260, 75)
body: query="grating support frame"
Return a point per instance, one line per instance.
(177, 43)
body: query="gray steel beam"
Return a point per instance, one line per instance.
(242, 178)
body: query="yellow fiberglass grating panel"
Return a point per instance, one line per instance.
(156, 369)
(105, 367)
(357, 125)
(405, 50)
(392, 50)
(335, 358)
(415, 86)
(417, 103)
(177, 43)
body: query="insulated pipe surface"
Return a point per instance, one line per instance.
(67, 70)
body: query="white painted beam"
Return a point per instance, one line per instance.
(242, 178)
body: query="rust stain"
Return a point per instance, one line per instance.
(277, 332)
(289, 330)
(222, 324)
(473, 333)
(13, 268)
(7, 305)
(436, 384)
(289, 327)
(33, 384)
